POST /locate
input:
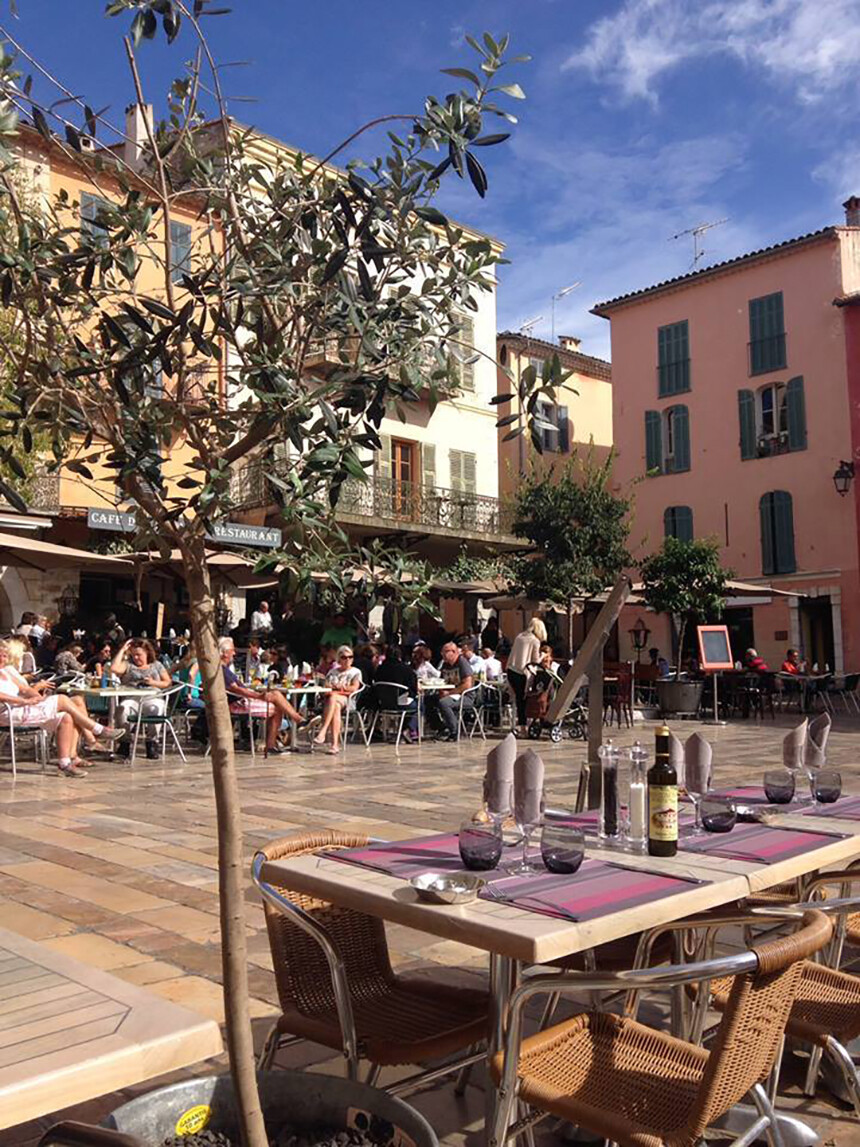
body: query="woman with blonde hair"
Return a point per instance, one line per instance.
(343, 679)
(525, 651)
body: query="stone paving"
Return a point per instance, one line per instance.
(119, 871)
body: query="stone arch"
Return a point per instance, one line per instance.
(14, 598)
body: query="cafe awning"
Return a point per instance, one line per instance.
(226, 567)
(32, 553)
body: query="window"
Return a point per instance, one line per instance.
(463, 349)
(667, 440)
(678, 523)
(767, 334)
(777, 533)
(772, 419)
(462, 511)
(673, 359)
(555, 436)
(92, 206)
(180, 250)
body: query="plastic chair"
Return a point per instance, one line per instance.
(633, 1084)
(336, 986)
(388, 695)
(11, 729)
(352, 710)
(475, 709)
(162, 721)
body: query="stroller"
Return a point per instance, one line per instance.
(541, 688)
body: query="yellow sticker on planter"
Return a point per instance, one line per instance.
(194, 1119)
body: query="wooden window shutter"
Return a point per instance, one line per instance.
(795, 413)
(673, 359)
(681, 460)
(382, 458)
(669, 522)
(746, 419)
(428, 465)
(466, 349)
(653, 441)
(470, 473)
(683, 523)
(765, 510)
(455, 463)
(783, 529)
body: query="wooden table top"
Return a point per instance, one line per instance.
(534, 938)
(69, 1032)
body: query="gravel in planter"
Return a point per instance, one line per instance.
(379, 1134)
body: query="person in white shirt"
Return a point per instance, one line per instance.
(422, 663)
(261, 619)
(343, 679)
(524, 652)
(467, 649)
(492, 665)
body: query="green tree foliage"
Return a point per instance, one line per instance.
(578, 529)
(685, 580)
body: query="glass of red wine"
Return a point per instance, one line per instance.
(480, 845)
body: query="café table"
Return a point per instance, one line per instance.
(514, 937)
(113, 694)
(70, 1032)
(808, 685)
(428, 686)
(309, 691)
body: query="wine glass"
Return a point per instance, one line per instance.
(480, 845)
(562, 847)
(826, 786)
(500, 796)
(779, 786)
(528, 813)
(697, 780)
(718, 814)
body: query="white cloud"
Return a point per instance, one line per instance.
(841, 172)
(811, 44)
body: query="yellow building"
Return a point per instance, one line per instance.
(580, 416)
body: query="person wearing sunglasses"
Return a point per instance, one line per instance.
(344, 680)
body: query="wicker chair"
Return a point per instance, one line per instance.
(336, 986)
(645, 1088)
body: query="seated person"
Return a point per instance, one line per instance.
(467, 650)
(396, 672)
(659, 662)
(456, 671)
(754, 663)
(136, 664)
(793, 663)
(492, 665)
(99, 664)
(252, 659)
(422, 663)
(343, 679)
(21, 655)
(272, 705)
(68, 660)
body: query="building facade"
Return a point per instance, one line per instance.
(736, 397)
(580, 416)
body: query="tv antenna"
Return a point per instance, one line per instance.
(697, 233)
(529, 325)
(560, 295)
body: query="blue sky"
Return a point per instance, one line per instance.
(643, 117)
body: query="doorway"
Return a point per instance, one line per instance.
(816, 631)
(403, 476)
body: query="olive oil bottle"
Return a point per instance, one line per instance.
(662, 799)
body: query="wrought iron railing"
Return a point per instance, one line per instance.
(389, 500)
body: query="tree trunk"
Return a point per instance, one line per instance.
(231, 862)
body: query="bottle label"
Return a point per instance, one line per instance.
(663, 812)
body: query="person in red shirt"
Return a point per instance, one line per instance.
(792, 663)
(755, 663)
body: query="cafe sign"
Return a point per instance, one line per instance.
(226, 533)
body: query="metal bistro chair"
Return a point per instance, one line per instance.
(363, 722)
(641, 1087)
(11, 728)
(475, 709)
(162, 721)
(388, 695)
(336, 986)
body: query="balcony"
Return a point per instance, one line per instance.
(396, 505)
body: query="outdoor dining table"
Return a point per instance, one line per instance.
(429, 685)
(514, 937)
(70, 1032)
(297, 691)
(113, 694)
(808, 684)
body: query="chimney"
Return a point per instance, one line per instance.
(568, 342)
(852, 211)
(135, 130)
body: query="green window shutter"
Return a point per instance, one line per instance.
(746, 417)
(455, 464)
(783, 529)
(382, 458)
(669, 522)
(767, 333)
(563, 429)
(180, 250)
(765, 509)
(428, 465)
(681, 459)
(466, 350)
(653, 442)
(796, 413)
(673, 359)
(683, 523)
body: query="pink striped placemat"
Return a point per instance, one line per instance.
(758, 843)
(848, 808)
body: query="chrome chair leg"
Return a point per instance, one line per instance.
(766, 1111)
(267, 1054)
(812, 1070)
(841, 1057)
(464, 1074)
(373, 1073)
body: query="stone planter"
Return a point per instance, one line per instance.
(679, 698)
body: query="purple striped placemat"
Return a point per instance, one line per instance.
(759, 843)
(752, 794)
(597, 889)
(848, 808)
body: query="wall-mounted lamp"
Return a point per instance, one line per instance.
(843, 477)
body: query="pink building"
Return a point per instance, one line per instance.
(736, 399)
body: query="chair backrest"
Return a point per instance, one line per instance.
(388, 695)
(754, 1020)
(174, 695)
(301, 971)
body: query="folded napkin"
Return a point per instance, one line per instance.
(793, 746)
(698, 755)
(816, 741)
(676, 756)
(499, 777)
(528, 787)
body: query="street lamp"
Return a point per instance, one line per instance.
(639, 635)
(843, 477)
(560, 295)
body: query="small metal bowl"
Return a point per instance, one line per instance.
(442, 888)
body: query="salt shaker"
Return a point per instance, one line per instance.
(636, 818)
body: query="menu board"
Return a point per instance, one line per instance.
(715, 651)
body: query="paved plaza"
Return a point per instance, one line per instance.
(119, 870)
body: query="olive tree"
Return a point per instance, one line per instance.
(318, 299)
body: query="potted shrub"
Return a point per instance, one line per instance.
(684, 579)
